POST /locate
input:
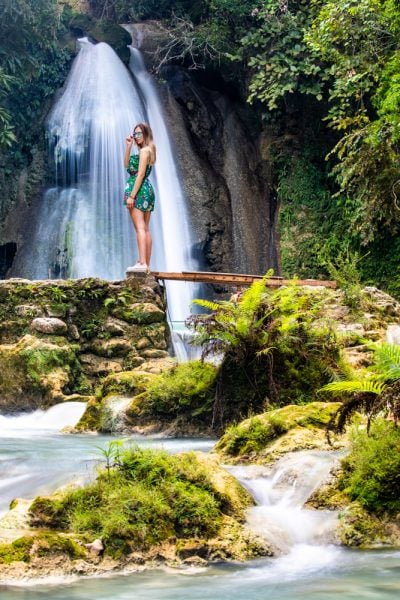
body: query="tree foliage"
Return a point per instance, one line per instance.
(32, 65)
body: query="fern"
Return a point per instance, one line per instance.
(369, 386)
(387, 361)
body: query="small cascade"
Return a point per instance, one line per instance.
(56, 418)
(280, 516)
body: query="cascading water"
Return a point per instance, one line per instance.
(304, 536)
(83, 228)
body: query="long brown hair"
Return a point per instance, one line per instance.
(148, 139)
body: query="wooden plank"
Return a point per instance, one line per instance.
(236, 279)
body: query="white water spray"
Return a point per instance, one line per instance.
(66, 414)
(281, 493)
(83, 227)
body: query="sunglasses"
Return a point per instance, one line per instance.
(137, 135)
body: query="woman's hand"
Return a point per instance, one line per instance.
(129, 140)
(130, 203)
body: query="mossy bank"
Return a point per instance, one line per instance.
(147, 508)
(59, 339)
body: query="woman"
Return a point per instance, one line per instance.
(139, 193)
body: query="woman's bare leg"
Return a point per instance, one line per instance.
(141, 228)
(149, 241)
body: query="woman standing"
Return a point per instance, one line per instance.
(139, 193)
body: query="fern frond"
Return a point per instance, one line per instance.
(387, 361)
(371, 386)
(206, 304)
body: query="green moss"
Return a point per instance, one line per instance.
(187, 389)
(371, 472)
(18, 550)
(91, 418)
(146, 498)
(125, 383)
(51, 543)
(256, 433)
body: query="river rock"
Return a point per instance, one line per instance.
(96, 547)
(49, 325)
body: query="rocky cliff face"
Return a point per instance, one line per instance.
(58, 339)
(222, 167)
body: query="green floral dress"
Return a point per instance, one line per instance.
(145, 197)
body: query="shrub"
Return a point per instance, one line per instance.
(146, 498)
(372, 469)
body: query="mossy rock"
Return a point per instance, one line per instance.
(148, 498)
(126, 382)
(362, 529)
(185, 390)
(255, 435)
(18, 550)
(103, 31)
(91, 418)
(35, 368)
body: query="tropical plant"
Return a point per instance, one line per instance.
(270, 352)
(376, 391)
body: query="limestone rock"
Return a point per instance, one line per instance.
(49, 325)
(142, 313)
(111, 348)
(114, 327)
(94, 365)
(155, 353)
(156, 365)
(73, 332)
(28, 310)
(142, 343)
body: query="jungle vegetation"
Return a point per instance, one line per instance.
(323, 81)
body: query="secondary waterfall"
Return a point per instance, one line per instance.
(83, 227)
(304, 536)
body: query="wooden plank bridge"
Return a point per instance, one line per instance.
(236, 279)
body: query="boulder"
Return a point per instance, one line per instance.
(49, 325)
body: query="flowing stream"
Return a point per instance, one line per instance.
(308, 564)
(83, 228)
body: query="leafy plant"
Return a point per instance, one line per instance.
(375, 392)
(271, 354)
(371, 470)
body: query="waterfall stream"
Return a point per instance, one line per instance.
(83, 228)
(308, 568)
(281, 493)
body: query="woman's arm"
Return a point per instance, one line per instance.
(129, 142)
(144, 157)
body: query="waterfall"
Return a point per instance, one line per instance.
(66, 414)
(84, 230)
(281, 493)
(83, 227)
(171, 221)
